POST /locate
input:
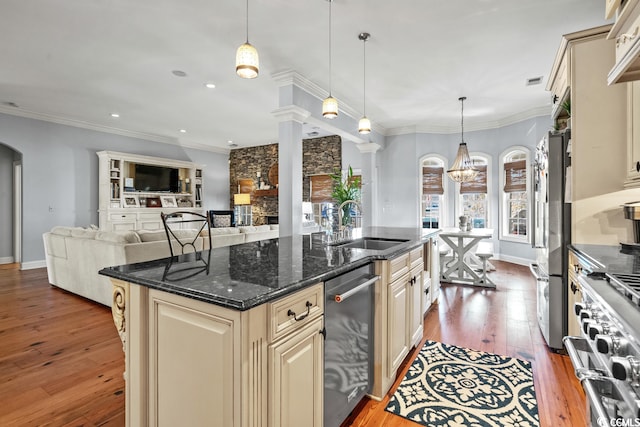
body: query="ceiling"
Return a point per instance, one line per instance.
(78, 61)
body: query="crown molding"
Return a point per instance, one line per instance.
(368, 147)
(494, 124)
(109, 129)
(291, 112)
(291, 77)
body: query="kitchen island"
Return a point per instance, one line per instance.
(232, 336)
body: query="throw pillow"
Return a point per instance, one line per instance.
(221, 221)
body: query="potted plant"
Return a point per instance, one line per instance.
(344, 189)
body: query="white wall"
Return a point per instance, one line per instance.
(60, 174)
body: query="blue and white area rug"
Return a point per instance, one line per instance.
(453, 386)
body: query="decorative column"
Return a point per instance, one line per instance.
(290, 168)
(369, 183)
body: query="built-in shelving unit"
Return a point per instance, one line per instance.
(122, 207)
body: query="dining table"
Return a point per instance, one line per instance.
(461, 268)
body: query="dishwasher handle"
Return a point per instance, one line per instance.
(343, 296)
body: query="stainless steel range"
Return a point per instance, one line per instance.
(606, 355)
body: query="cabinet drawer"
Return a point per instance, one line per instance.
(151, 216)
(397, 267)
(124, 217)
(415, 258)
(304, 305)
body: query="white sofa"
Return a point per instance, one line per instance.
(74, 255)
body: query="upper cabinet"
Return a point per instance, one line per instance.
(633, 136)
(626, 33)
(599, 132)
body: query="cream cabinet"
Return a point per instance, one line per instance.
(398, 319)
(633, 135)
(192, 363)
(296, 378)
(121, 207)
(598, 146)
(626, 34)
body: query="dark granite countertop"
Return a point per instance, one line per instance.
(608, 258)
(244, 276)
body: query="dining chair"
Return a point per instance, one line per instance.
(186, 231)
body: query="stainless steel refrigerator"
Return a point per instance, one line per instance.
(551, 234)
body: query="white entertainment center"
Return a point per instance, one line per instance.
(130, 202)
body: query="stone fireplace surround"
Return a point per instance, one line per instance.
(319, 156)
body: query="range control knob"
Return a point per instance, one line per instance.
(589, 313)
(594, 330)
(600, 329)
(588, 323)
(578, 307)
(610, 344)
(625, 368)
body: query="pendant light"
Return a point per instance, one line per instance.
(330, 104)
(462, 169)
(364, 125)
(247, 61)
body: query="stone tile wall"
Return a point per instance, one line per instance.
(319, 156)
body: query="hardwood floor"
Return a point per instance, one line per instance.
(501, 321)
(61, 360)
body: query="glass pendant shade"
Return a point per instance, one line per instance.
(462, 169)
(364, 125)
(247, 61)
(330, 107)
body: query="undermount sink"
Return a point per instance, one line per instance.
(372, 243)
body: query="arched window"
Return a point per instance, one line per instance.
(473, 196)
(514, 212)
(432, 203)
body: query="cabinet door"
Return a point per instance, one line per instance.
(296, 378)
(633, 135)
(192, 354)
(415, 298)
(398, 322)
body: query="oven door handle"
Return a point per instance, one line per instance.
(573, 345)
(343, 296)
(589, 386)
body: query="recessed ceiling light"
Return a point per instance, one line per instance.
(115, 115)
(229, 142)
(210, 86)
(183, 131)
(179, 73)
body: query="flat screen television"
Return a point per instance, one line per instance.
(156, 178)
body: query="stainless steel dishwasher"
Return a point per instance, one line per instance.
(348, 348)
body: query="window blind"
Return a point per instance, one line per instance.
(478, 185)
(321, 188)
(515, 176)
(432, 180)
